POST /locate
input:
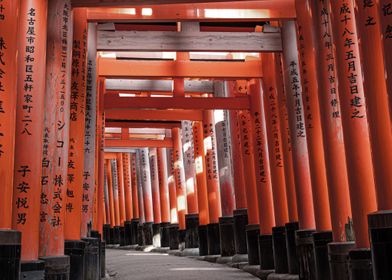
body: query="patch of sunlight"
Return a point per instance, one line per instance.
(198, 269)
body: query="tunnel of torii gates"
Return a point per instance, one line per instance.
(255, 130)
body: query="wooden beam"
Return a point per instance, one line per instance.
(145, 143)
(110, 156)
(109, 3)
(121, 69)
(157, 115)
(133, 136)
(188, 41)
(185, 103)
(143, 124)
(218, 11)
(157, 85)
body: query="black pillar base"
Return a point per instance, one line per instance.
(266, 253)
(213, 239)
(127, 233)
(134, 231)
(292, 258)
(117, 234)
(156, 235)
(165, 235)
(102, 249)
(305, 252)
(226, 233)
(56, 267)
(338, 259)
(240, 221)
(140, 235)
(320, 245)
(203, 240)
(92, 263)
(10, 249)
(280, 250)
(32, 270)
(380, 228)
(192, 232)
(252, 241)
(106, 233)
(360, 265)
(173, 237)
(147, 233)
(112, 236)
(75, 249)
(181, 238)
(122, 236)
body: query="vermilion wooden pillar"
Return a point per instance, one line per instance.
(179, 177)
(296, 116)
(8, 85)
(189, 167)
(314, 136)
(223, 139)
(121, 192)
(379, 118)
(76, 129)
(128, 188)
(106, 195)
(163, 185)
(260, 148)
(172, 188)
(332, 123)
(135, 200)
(249, 168)
(56, 137)
(115, 190)
(201, 177)
(385, 11)
(214, 203)
(101, 155)
(29, 125)
(275, 149)
(146, 181)
(110, 193)
(286, 142)
(90, 134)
(354, 118)
(155, 185)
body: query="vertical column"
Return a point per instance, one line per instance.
(214, 201)
(142, 217)
(164, 196)
(385, 10)
(189, 167)
(263, 175)
(128, 198)
(179, 177)
(8, 86)
(76, 145)
(276, 157)
(29, 129)
(121, 196)
(240, 213)
(297, 127)
(173, 229)
(332, 123)
(56, 137)
(354, 118)
(90, 133)
(252, 229)
(223, 137)
(147, 196)
(112, 215)
(9, 240)
(155, 197)
(202, 193)
(286, 142)
(116, 201)
(135, 200)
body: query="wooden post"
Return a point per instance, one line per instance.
(155, 185)
(354, 118)
(146, 182)
(29, 124)
(172, 188)
(163, 185)
(189, 167)
(134, 179)
(179, 177)
(295, 108)
(56, 131)
(73, 212)
(121, 194)
(8, 85)
(336, 165)
(90, 134)
(110, 193)
(128, 188)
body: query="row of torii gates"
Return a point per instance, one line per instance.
(283, 156)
